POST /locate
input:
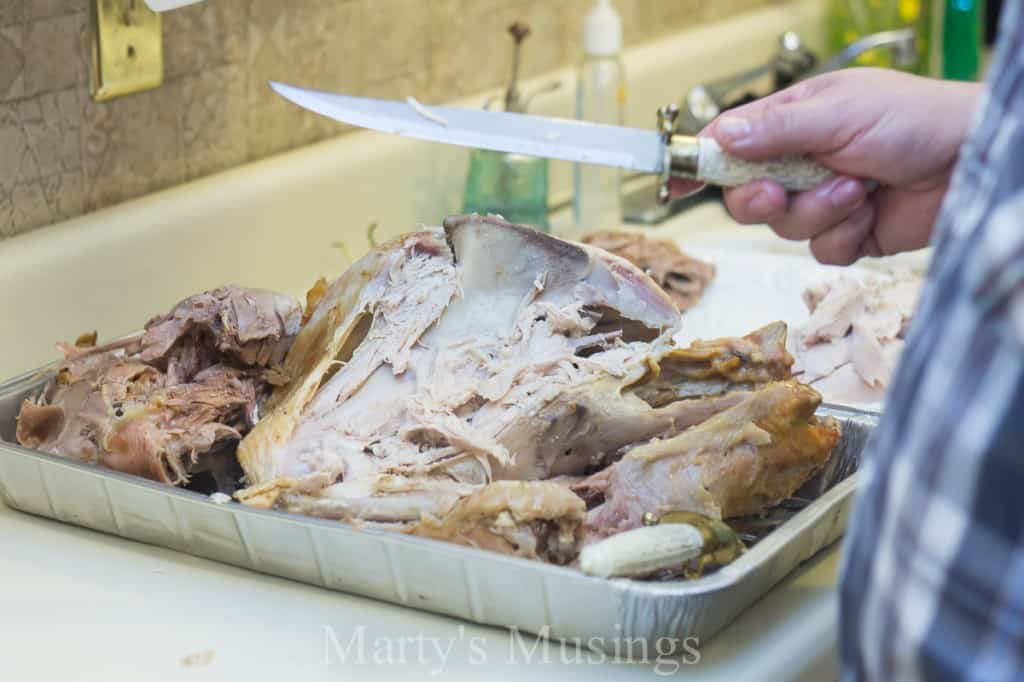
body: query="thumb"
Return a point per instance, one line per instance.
(770, 130)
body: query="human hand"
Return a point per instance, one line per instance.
(903, 132)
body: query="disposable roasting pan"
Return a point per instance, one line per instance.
(476, 585)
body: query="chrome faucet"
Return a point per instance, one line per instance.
(790, 63)
(901, 42)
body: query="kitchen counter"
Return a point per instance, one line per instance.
(82, 605)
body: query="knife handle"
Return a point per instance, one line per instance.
(702, 159)
(717, 167)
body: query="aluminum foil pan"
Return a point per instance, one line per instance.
(476, 585)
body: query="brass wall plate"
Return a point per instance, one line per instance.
(127, 48)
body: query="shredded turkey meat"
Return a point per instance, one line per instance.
(684, 278)
(849, 347)
(462, 382)
(153, 403)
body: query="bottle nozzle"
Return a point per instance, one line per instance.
(602, 30)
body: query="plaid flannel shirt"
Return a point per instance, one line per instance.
(933, 578)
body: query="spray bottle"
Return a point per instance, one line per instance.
(600, 98)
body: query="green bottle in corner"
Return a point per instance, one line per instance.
(962, 39)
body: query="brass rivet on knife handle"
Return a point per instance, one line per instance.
(701, 158)
(667, 116)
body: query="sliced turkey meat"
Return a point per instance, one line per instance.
(848, 347)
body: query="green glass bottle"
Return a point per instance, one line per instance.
(961, 39)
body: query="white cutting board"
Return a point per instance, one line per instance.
(751, 289)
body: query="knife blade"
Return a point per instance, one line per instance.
(553, 138)
(649, 151)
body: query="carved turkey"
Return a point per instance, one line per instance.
(460, 383)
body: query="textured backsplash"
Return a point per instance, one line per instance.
(61, 154)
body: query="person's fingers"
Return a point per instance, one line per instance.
(906, 216)
(811, 213)
(806, 118)
(757, 202)
(800, 91)
(681, 187)
(845, 243)
(809, 126)
(870, 247)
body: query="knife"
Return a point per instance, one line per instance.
(662, 151)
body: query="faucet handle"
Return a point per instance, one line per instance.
(793, 60)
